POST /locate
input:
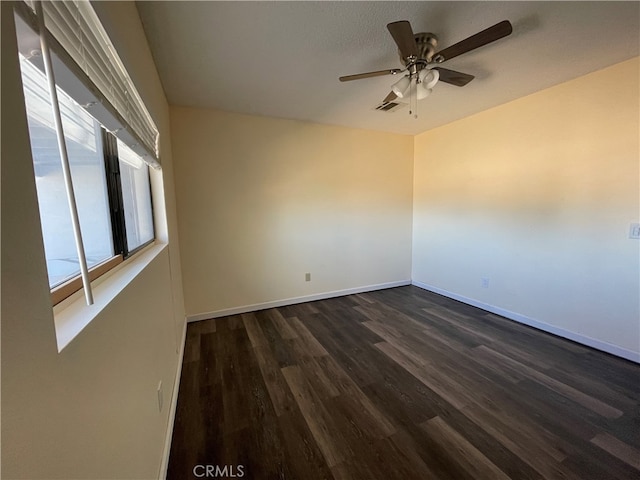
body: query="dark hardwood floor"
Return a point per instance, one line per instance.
(399, 384)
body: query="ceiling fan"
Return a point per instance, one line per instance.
(419, 56)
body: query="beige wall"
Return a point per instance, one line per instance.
(537, 195)
(263, 201)
(90, 411)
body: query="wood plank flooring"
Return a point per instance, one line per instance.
(399, 384)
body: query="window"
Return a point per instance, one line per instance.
(84, 146)
(110, 177)
(134, 180)
(90, 168)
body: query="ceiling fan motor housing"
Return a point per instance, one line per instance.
(426, 43)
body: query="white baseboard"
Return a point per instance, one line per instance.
(561, 332)
(172, 412)
(293, 301)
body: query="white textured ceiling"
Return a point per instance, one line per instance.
(283, 59)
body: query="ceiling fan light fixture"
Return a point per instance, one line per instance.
(401, 87)
(429, 77)
(422, 92)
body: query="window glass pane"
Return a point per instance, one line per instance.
(83, 139)
(136, 197)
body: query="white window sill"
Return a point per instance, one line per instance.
(73, 314)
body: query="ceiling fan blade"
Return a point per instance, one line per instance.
(484, 37)
(378, 73)
(390, 98)
(458, 79)
(403, 36)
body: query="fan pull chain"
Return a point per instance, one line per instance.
(417, 80)
(416, 115)
(413, 98)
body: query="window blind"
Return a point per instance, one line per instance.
(80, 37)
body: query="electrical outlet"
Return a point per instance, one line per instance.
(307, 277)
(484, 282)
(160, 396)
(634, 231)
